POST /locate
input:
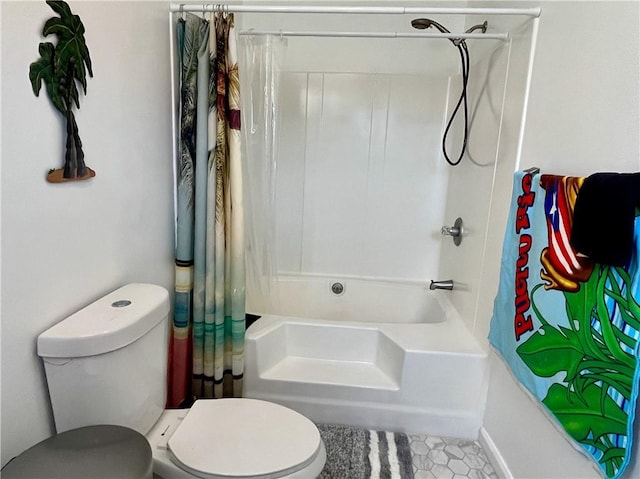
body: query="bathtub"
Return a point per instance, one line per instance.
(420, 371)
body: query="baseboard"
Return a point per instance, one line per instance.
(494, 456)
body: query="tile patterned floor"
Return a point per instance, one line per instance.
(444, 458)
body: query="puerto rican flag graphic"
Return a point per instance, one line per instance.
(559, 214)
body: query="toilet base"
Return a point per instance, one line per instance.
(164, 468)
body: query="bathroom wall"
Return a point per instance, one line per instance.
(65, 245)
(583, 116)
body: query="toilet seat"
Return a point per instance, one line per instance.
(243, 438)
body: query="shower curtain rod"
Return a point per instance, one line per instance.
(212, 7)
(452, 35)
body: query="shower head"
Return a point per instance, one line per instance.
(423, 23)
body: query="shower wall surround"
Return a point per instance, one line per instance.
(493, 128)
(360, 187)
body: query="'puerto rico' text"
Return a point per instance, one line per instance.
(522, 322)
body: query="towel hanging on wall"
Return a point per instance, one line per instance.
(604, 217)
(569, 328)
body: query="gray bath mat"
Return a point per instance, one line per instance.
(355, 453)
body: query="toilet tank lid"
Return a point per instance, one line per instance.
(110, 323)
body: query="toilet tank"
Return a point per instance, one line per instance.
(106, 364)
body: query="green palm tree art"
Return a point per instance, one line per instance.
(60, 66)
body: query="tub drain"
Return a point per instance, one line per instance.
(337, 288)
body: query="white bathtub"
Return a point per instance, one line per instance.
(424, 375)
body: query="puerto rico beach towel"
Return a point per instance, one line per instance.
(569, 328)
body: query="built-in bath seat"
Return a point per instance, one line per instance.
(333, 355)
(424, 377)
(331, 372)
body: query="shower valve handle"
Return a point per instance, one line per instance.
(456, 231)
(450, 230)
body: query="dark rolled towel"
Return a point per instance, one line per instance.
(604, 215)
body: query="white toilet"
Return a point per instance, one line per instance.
(106, 364)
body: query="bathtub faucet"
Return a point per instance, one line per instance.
(446, 284)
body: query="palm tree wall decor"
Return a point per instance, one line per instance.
(60, 66)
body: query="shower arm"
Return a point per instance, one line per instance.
(479, 26)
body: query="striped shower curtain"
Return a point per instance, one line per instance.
(206, 358)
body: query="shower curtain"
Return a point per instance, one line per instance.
(206, 352)
(261, 60)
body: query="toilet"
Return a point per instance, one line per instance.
(106, 365)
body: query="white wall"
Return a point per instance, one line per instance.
(65, 245)
(583, 117)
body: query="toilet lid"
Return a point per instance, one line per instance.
(243, 438)
(99, 452)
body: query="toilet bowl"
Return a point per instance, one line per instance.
(106, 364)
(239, 438)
